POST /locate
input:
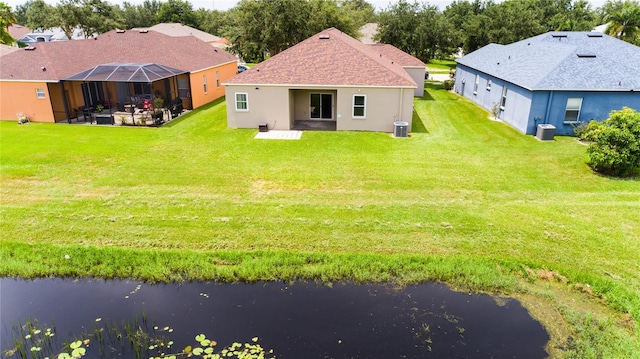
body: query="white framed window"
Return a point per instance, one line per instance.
(475, 85)
(503, 101)
(218, 79)
(489, 85)
(204, 83)
(242, 101)
(40, 93)
(359, 106)
(572, 112)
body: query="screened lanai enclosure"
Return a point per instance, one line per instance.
(113, 91)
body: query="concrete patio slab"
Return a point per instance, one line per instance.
(279, 135)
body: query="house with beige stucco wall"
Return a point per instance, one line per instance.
(331, 80)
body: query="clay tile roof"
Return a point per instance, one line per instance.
(53, 61)
(329, 58)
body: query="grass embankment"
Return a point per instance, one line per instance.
(465, 200)
(435, 66)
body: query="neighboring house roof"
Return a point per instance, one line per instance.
(176, 30)
(6, 49)
(397, 55)
(601, 28)
(18, 31)
(329, 58)
(28, 36)
(53, 61)
(368, 32)
(562, 61)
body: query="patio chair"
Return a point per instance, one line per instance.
(87, 113)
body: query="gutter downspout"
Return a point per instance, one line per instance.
(400, 105)
(546, 114)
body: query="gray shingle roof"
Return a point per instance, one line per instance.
(562, 61)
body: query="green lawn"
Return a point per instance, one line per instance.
(464, 200)
(443, 65)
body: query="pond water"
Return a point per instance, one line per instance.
(296, 320)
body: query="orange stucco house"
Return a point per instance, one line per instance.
(52, 81)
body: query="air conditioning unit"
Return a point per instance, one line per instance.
(400, 129)
(262, 127)
(546, 132)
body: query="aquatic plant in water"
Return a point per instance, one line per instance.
(32, 342)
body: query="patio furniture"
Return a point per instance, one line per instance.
(176, 107)
(87, 113)
(104, 119)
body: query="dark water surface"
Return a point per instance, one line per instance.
(299, 320)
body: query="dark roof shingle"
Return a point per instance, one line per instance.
(62, 59)
(329, 58)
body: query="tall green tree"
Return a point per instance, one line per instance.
(213, 21)
(418, 29)
(7, 18)
(464, 15)
(361, 11)
(40, 15)
(578, 16)
(324, 14)
(177, 11)
(21, 12)
(479, 23)
(514, 20)
(398, 24)
(261, 28)
(625, 23)
(97, 17)
(140, 15)
(68, 14)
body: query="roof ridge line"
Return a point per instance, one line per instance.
(366, 50)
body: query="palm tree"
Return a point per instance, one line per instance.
(7, 18)
(625, 23)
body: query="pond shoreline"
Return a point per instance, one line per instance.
(297, 319)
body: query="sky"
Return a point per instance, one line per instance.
(227, 4)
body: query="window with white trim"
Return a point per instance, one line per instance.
(489, 85)
(218, 79)
(503, 102)
(242, 101)
(359, 106)
(475, 85)
(40, 93)
(204, 83)
(572, 112)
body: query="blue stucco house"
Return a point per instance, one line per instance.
(558, 78)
